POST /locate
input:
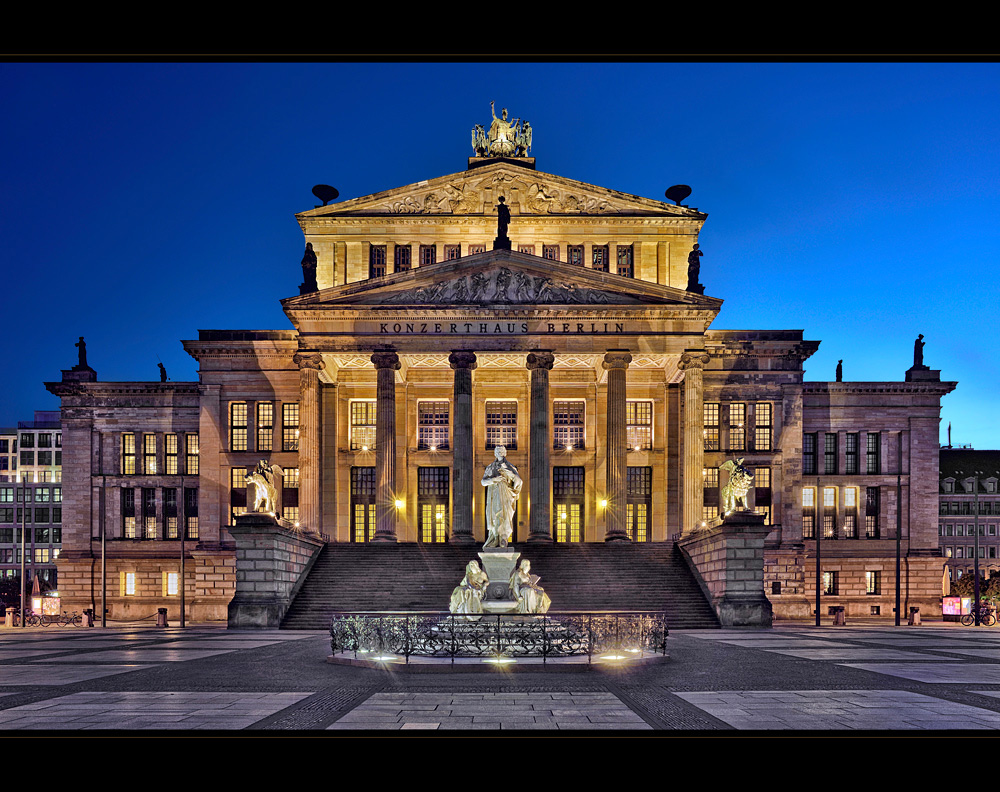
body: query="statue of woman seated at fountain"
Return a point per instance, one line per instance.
(531, 598)
(467, 598)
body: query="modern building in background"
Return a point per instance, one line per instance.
(503, 306)
(962, 470)
(31, 494)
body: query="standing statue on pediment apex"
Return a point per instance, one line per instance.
(694, 270)
(503, 133)
(309, 284)
(81, 347)
(918, 352)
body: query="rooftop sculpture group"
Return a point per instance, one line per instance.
(504, 138)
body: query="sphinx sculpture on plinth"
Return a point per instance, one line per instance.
(503, 487)
(467, 598)
(734, 494)
(260, 485)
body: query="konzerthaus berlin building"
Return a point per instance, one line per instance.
(419, 341)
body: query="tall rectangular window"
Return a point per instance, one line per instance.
(501, 425)
(237, 426)
(851, 453)
(639, 425)
(432, 425)
(149, 454)
(149, 513)
(873, 504)
(128, 454)
(599, 257)
(873, 453)
(829, 512)
(873, 582)
(639, 503)
(830, 453)
(762, 492)
(428, 254)
(362, 425)
(763, 428)
(290, 426)
(808, 513)
(362, 504)
(169, 513)
(851, 512)
(290, 494)
(626, 261)
(830, 583)
(170, 454)
(809, 454)
(567, 502)
(265, 426)
(128, 513)
(237, 492)
(191, 454)
(376, 261)
(574, 254)
(568, 425)
(432, 503)
(710, 493)
(401, 258)
(737, 427)
(191, 512)
(711, 426)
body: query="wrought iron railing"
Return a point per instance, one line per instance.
(446, 635)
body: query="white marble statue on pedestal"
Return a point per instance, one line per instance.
(503, 487)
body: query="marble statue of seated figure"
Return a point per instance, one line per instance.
(531, 598)
(467, 598)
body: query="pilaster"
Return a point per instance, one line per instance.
(692, 363)
(616, 363)
(463, 476)
(386, 365)
(539, 467)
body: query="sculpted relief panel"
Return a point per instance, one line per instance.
(500, 286)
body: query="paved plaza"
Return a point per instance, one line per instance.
(794, 678)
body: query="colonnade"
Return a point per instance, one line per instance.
(464, 478)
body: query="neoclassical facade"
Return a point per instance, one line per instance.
(422, 338)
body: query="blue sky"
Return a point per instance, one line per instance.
(141, 202)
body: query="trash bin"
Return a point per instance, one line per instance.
(161, 617)
(839, 616)
(9, 617)
(914, 616)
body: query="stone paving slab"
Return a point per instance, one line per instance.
(42, 674)
(215, 643)
(839, 710)
(942, 672)
(850, 653)
(140, 655)
(767, 643)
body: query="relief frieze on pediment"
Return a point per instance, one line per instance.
(502, 286)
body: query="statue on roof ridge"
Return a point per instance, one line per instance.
(504, 138)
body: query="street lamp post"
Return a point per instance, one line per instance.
(818, 532)
(975, 508)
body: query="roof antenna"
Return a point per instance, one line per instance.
(678, 193)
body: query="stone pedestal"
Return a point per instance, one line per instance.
(499, 565)
(728, 561)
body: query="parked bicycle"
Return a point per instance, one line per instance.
(986, 617)
(65, 619)
(31, 619)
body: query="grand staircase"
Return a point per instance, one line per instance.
(360, 577)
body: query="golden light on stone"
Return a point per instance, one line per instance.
(603, 503)
(499, 660)
(399, 503)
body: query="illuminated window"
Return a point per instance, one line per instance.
(567, 501)
(639, 503)
(432, 425)
(850, 512)
(452, 252)
(574, 254)
(362, 425)
(170, 454)
(550, 252)
(265, 426)
(710, 492)
(170, 584)
(872, 457)
(27, 441)
(851, 453)
(599, 257)
(128, 513)
(808, 513)
(401, 258)
(128, 584)
(428, 255)
(432, 503)
(237, 492)
(626, 262)
(290, 426)
(873, 582)
(872, 508)
(501, 425)
(568, 425)
(128, 454)
(362, 504)
(737, 426)
(191, 512)
(830, 583)
(41, 555)
(829, 512)
(762, 492)
(376, 261)
(191, 466)
(711, 426)
(290, 494)
(238, 426)
(762, 428)
(639, 425)
(149, 514)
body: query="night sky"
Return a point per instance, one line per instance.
(142, 202)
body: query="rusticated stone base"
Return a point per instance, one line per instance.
(728, 562)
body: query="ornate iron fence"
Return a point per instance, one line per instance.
(448, 635)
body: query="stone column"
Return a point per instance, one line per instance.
(310, 365)
(616, 363)
(463, 476)
(692, 364)
(386, 366)
(539, 443)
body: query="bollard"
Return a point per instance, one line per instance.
(88, 617)
(161, 617)
(914, 616)
(840, 616)
(9, 618)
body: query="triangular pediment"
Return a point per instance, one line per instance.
(476, 192)
(501, 278)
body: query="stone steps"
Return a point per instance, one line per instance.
(349, 577)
